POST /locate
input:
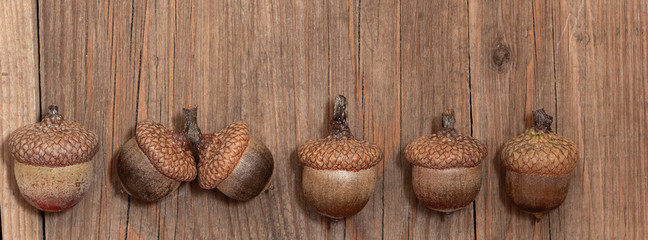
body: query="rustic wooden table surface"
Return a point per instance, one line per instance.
(278, 64)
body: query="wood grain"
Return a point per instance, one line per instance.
(20, 106)
(601, 54)
(85, 57)
(310, 56)
(278, 66)
(511, 71)
(379, 69)
(435, 76)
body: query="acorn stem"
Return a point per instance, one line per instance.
(339, 121)
(542, 120)
(191, 130)
(53, 115)
(53, 110)
(448, 119)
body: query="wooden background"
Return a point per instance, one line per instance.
(278, 65)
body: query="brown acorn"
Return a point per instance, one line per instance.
(339, 173)
(232, 161)
(447, 171)
(154, 162)
(53, 164)
(537, 166)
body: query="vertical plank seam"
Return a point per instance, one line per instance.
(139, 69)
(400, 103)
(113, 67)
(172, 80)
(40, 96)
(113, 147)
(553, 38)
(38, 67)
(328, 50)
(323, 220)
(470, 106)
(553, 53)
(128, 205)
(360, 74)
(175, 229)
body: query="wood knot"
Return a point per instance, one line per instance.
(501, 55)
(582, 39)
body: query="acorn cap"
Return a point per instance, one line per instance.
(167, 154)
(339, 154)
(53, 142)
(539, 151)
(340, 150)
(446, 148)
(220, 154)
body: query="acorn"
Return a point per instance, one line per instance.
(232, 161)
(52, 161)
(154, 162)
(447, 167)
(339, 173)
(538, 164)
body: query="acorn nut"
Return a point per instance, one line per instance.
(237, 164)
(339, 173)
(52, 161)
(537, 166)
(154, 162)
(447, 167)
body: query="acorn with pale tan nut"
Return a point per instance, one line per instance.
(447, 171)
(339, 173)
(154, 162)
(538, 165)
(53, 164)
(237, 164)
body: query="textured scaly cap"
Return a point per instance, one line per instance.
(220, 153)
(168, 152)
(340, 150)
(53, 142)
(539, 151)
(446, 148)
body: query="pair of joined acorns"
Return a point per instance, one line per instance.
(53, 168)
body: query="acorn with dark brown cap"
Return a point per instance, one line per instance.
(537, 166)
(53, 164)
(447, 171)
(154, 162)
(339, 173)
(237, 164)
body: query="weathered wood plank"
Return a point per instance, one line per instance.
(379, 69)
(255, 74)
(601, 53)
(232, 80)
(278, 65)
(511, 74)
(435, 77)
(84, 63)
(20, 106)
(344, 78)
(324, 62)
(162, 22)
